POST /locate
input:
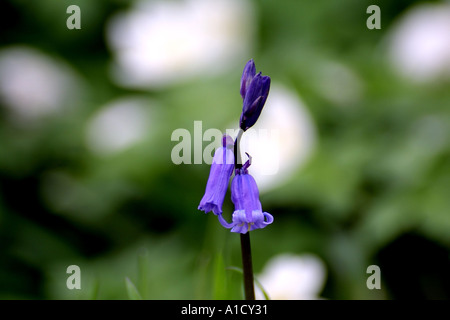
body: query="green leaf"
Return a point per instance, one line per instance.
(133, 293)
(95, 288)
(258, 284)
(143, 279)
(219, 281)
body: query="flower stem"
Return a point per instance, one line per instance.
(247, 265)
(237, 151)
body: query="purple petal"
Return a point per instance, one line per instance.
(247, 164)
(240, 222)
(247, 76)
(254, 101)
(268, 217)
(224, 223)
(265, 88)
(259, 219)
(249, 118)
(253, 92)
(243, 228)
(245, 194)
(227, 141)
(217, 185)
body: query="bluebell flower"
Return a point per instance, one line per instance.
(247, 76)
(254, 91)
(248, 214)
(219, 176)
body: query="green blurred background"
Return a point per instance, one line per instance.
(375, 190)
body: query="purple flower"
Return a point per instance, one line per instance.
(247, 76)
(221, 170)
(248, 214)
(254, 91)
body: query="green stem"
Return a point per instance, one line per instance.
(237, 151)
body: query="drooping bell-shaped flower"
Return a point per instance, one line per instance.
(219, 176)
(248, 214)
(254, 91)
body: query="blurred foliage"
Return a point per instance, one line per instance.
(374, 192)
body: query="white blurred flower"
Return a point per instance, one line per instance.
(419, 43)
(292, 277)
(161, 42)
(282, 139)
(118, 125)
(33, 84)
(339, 83)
